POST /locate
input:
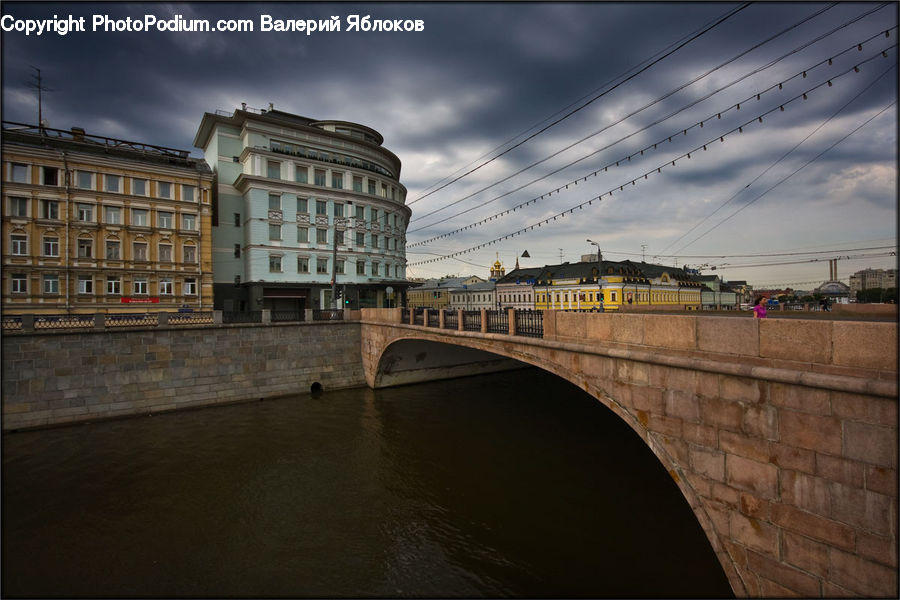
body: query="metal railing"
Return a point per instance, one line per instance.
(497, 321)
(419, 317)
(405, 316)
(328, 314)
(471, 320)
(63, 321)
(281, 316)
(11, 323)
(192, 318)
(242, 317)
(530, 323)
(451, 319)
(434, 318)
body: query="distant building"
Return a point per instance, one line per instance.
(435, 293)
(835, 291)
(516, 288)
(93, 224)
(869, 279)
(301, 205)
(716, 294)
(474, 296)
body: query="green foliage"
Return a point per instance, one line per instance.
(876, 295)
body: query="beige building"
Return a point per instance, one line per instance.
(100, 225)
(869, 279)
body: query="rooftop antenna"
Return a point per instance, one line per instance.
(38, 84)
(560, 255)
(643, 252)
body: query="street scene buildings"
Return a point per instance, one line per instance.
(95, 224)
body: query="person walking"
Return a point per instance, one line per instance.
(759, 308)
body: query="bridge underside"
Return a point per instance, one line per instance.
(415, 361)
(787, 454)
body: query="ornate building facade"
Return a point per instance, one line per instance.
(303, 207)
(93, 224)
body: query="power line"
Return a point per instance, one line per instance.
(767, 169)
(641, 152)
(646, 106)
(589, 102)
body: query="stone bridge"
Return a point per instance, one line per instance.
(781, 434)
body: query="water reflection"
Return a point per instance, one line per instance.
(513, 484)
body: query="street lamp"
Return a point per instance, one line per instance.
(599, 270)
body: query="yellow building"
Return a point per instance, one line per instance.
(612, 286)
(435, 293)
(99, 225)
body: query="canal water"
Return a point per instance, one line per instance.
(514, 484)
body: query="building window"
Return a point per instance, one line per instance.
(374, 215)
(113, 215)
(85, 284)
(190, 254)
(165, 253)
(139, 217)
(322, 265)
(139, 286)
(371, 187)
(50, 175)
(113, 286)
(360, 213)
(190, 287)
(303, 234)
(321, 236)
(112, 250)
(189, 222)
(112, 183)
(337, 180)
(85, 248)
(237, 219)
(360, 238)
(139, 187)
(302, 205)
(360, 267)
(274, 232)
(85, 212)
(339, 266)
(140, 251)
(274, 263)
(19, 283)
(274, 202)
(165, 287)
(187, 193)
(273, 169)
(51, 246)
(300, 174)
(49, 209)
(164, 189)
(18, 207)
(19, 173)
(19, 245)
(237, 250)
(320, 177)
(302, 264)
(383, 191)
(376, 269)
(357, 184)
(339, 237)
(374, 241)
(164, 220)
(84, 180)
(321, 207)
(51, 284)
(338, 210)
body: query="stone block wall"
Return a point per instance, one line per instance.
(781, 434)
(53, 378)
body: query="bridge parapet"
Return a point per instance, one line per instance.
(781, 434)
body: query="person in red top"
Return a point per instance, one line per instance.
(759, 308)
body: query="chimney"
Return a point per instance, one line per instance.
(271, 106)
(78, 134)
(243, 106)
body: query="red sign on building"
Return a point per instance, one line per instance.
(150, 300)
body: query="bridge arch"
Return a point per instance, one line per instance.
(477, 355)
(780, 434)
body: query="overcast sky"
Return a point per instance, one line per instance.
(482, 77)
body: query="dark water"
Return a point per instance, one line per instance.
(515, 484)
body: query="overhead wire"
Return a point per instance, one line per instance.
(591, 101)
(686, 155)
(648, 105)
(669, 162)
